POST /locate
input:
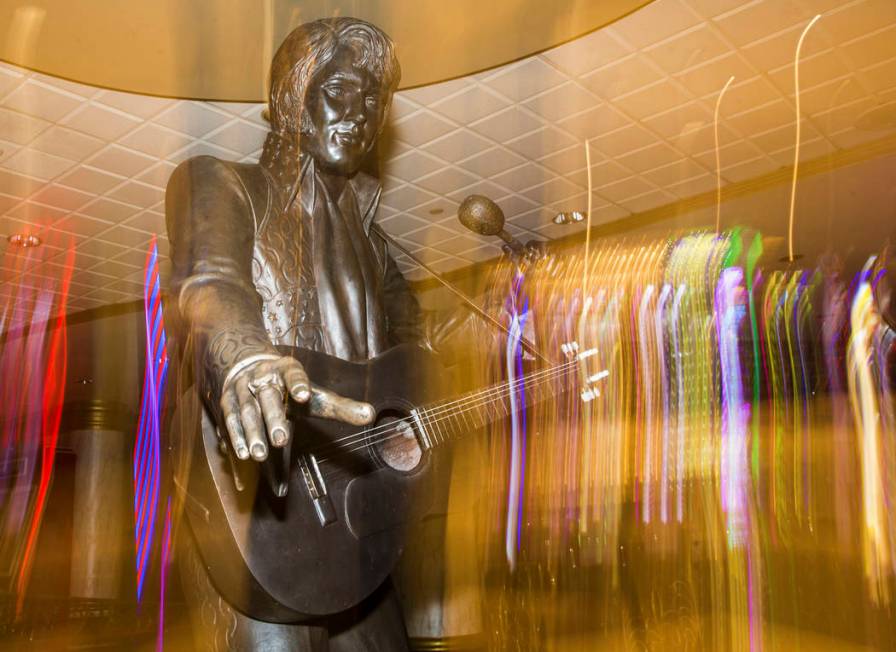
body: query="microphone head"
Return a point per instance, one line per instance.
(481, 215)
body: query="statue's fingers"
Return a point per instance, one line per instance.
(250, 415)
(230, 408)
(297, 383)
(270, 398)
(329, 405)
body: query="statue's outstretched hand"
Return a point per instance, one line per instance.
(253, 404)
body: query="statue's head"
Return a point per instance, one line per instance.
(332, 82)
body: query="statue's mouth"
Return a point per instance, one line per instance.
(347, 138)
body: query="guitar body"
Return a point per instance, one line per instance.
(271, 557)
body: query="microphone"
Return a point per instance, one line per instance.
(482, 216)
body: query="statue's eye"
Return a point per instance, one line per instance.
(334, 90)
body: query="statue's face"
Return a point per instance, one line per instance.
(345, 106)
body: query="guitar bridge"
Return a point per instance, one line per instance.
(317, 489)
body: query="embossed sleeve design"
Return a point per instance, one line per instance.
(211, 230)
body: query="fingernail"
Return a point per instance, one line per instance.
(258, 451)
(278, 436)
(242, 452)
(303, 395)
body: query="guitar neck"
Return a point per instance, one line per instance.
(448, 420)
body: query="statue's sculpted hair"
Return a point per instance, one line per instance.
(309, 47)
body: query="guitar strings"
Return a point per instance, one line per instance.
(438, 408)
(395, 430)
(482, 398)
(475, 399)
(533, 381)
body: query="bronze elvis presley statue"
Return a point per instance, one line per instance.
(282, 253)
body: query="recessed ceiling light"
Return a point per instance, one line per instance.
(24, 240)
(569, 218)
(436, 211)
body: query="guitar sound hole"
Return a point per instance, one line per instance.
(398, 448)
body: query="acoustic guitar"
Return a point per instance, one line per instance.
(338, 531)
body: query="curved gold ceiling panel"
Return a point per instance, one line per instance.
(220, 49)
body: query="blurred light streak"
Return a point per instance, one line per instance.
(147, 458)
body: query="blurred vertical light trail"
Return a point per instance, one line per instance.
(147, 457)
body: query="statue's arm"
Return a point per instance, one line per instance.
(211, 231)
(402, 309)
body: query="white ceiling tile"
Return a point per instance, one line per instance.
(470, 105)
(120, 160)
(109, 210)
(676, 124)
(405, 197)
(606, 172)
(412, 165)
(193, 118)
(622, 141)
(401, 107)
(66, 143)
(853, 137)
(650, 157)
(66, 199)
(100, 249)
(538, 144)
(880, 78)
(555, 231)
(90, 180)
(239, 136)
(587, 53)
(594, 122)
(449, 263)
(764, 118)
(20, 128)
(562, 101)
(18, 185)
(809, 150)
(826, 97)
(457, 245)
(104, 123)
(492, 162)
(657, 98)
(235, 108)
(402, 223)
(158, 174)
(36, 214)
(622, 77)
(523, 177)
(82, 225)
(565, 161)
(138, 106)
(201, 148)
(553, 191)
(138, 194)
(525, 79)
(148, 221)
(482, 253)
(757, 20)
(855, 19)
(155, 140)
(486, 188)
(779, 49)
(420, 128)
(709, 78)
(675, 173)
(515, 205)
(440, 210)
(749, 169)
(256, 114)
(648, 200)
(9, 79)
(433, 93)
(457, 145)
(813, 71)
(688, 49)
(783, 136)
(654, 22)
(843, 116)
(37, 164)
(608, 213)
(729, 154)
(871, 49)
(692, 187)
(507, 125)
(619, 191)
(446, 180)
(712, 8)
(125, 236)
(534, 218)
(41, 100)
